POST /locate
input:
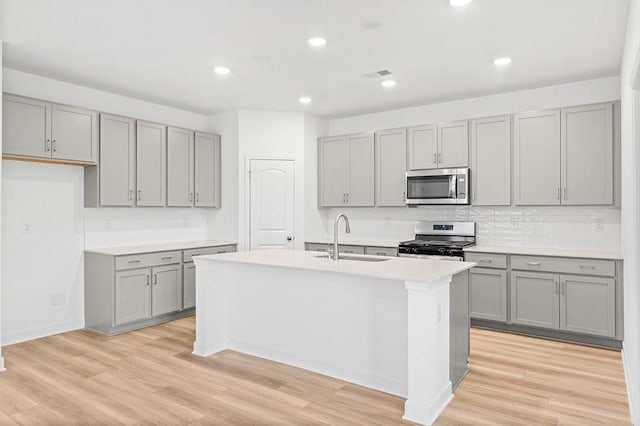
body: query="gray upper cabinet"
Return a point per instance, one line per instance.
(74, 134)
(207, 170)
(391, 165)
(117, 161)
(491, 161)
(422, 147)
(346, 170)
(587, 155)
(587, 305)
(564, 156)
(443, 146)
(38, 129)
(151, 164)
(537, 158)
(180, 164)
(534, 299)
(453, 144)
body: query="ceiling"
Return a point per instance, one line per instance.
(164, 51)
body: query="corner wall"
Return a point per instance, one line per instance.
(1, 251)
(48, 298)
(630, 101)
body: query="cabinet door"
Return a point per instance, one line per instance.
(360, 170)
(537, 158)
(587, 305)
(535, 299)
(26, 127)
(132, 295)
(74, 134)
(453, 144)
(207, 170)
(117, 160)
(151, 164)
(166, 294)
(179, 167)
(391, 165)
(189, 285)
(587, 155)
(332, 166)
(488, 296)
(422, 147)
(491, 161)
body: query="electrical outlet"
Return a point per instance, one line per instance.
(515, 222)
(107, 225)
(26, 228)
(598, 225)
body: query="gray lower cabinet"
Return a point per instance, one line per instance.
(588, 305)
(132, 296)
(126, 292)
(353, 249)
(488, 294)
(535, 299)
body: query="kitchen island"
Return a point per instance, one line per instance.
(379, 322)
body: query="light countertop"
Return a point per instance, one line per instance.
(150, 248)
(356, 242)
(547, 251)
(393, 268)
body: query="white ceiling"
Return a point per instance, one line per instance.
(164, 50)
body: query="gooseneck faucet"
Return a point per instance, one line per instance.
(335, 233)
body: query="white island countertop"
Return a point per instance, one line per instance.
(151, 248)
(392, 268)
(547, 251)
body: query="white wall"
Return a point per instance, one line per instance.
(597, 228)
(48, 298)
(271, 134)
(1, 73)
(315, 219)
(630, 195)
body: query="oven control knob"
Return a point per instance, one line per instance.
(443, 251)
(413, 250)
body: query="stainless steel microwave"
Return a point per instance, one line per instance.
(438, 186)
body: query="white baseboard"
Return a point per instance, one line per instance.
(632, 386)
(11, 338)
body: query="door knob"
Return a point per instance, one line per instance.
(289, 238)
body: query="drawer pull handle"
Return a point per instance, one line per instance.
(134, 261)
(347, 251)
(167, 258)
(591, 267)
(195, 254)
(485, 260)
(222, 251)
(533, 263)
(381, 254)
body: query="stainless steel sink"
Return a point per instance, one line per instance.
(356, 258)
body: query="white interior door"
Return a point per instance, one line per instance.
(272, 204)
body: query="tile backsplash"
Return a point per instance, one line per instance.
(547, 226)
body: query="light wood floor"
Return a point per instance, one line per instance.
(150, 377)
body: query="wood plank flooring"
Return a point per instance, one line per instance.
(150, 377)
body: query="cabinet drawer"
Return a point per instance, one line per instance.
(487, 260)
(350, 249)
(564, 265)
(315, 247)
(147, 259)
(381, 251)
(188, 254)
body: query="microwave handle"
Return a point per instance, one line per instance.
(452, 186)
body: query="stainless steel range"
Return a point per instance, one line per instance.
(439, 240)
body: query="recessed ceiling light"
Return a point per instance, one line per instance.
(221, 70)
(317, 41)
(304, 100)
(459, 3)
(502, 61)
(388, 83)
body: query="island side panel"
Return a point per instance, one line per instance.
(345, 326)
(459, 328)
(211, 307)
(429, 387)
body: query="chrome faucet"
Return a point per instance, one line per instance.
(335, 233)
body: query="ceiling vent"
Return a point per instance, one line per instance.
(377, 74)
